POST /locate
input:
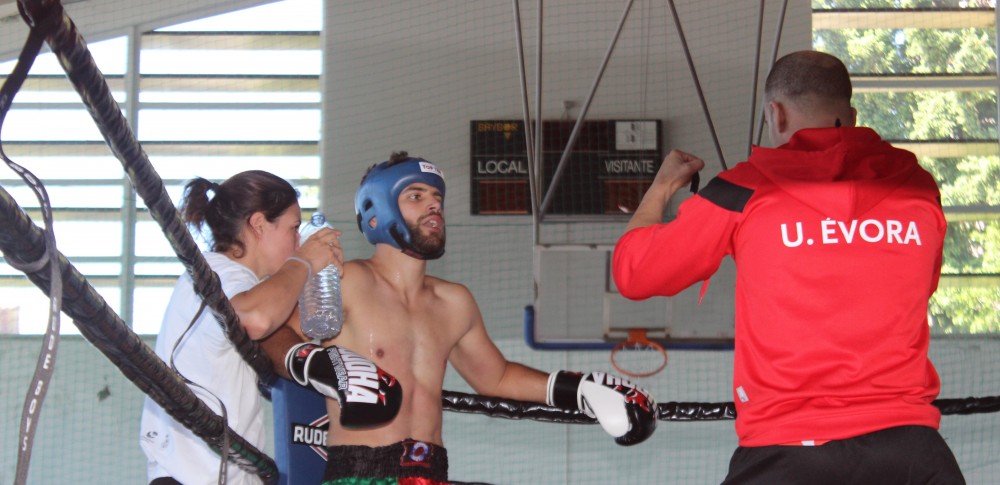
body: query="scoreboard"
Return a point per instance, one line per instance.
(610, 167)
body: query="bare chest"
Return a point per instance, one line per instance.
(402, 337)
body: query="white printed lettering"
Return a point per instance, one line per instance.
(361, 394)
(832, 231)
(366, 379)
(879, 230)
(848, 234)
(912, 234)
(501, 167)
(309, 435)
(359, 366)
(784, 235)
(892, 231)
(619, 166)
(827, 226)
(362, 378)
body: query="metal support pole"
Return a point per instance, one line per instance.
(774, 58)
(697, 85)
(528, 142)
(755, 75)
(129, 216)
(583, 113)
(536, 215)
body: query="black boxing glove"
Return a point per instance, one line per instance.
(625, 410)
(368, 396)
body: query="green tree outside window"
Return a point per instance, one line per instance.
(959, 114)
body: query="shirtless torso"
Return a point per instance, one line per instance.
(412, 325)
(409, 324)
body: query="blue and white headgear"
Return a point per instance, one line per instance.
(378, 197)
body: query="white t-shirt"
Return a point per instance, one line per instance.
(207, 358)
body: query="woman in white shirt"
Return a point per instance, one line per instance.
(252, 220)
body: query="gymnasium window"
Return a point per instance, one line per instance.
(925, 77)
(216, 96)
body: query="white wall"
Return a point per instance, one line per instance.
(413, 75)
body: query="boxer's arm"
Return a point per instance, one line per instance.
(478, 360)
(276, 345)
(490, 373)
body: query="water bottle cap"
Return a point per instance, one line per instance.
(318, 219)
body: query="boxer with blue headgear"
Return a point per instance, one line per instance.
(377, 203)
(412, 327)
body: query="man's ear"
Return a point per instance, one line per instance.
(854, 117)
(779, 117)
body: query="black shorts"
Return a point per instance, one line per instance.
(406, 459)
(901, 455)
(165, 481)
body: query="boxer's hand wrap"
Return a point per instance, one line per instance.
(625, 410)
(368, 396)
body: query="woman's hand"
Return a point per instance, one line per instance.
(322, 248)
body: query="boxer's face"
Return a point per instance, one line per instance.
(422, 207)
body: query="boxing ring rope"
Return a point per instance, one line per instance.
(100, 325)
(22, 242)
(665, 411)
(81, 69)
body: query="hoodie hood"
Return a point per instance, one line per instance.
(840, 172)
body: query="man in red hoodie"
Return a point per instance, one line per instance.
(837, 238)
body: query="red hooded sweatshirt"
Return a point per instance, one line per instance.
(837, 238)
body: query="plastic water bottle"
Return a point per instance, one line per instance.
(320, 307)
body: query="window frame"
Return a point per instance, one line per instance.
(128, 89)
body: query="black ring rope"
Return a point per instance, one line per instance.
(495, 407)
(109, 333)
(74, 56)
(21, 240)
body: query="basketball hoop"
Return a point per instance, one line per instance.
(637, 341)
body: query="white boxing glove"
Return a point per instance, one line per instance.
(625, 411)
